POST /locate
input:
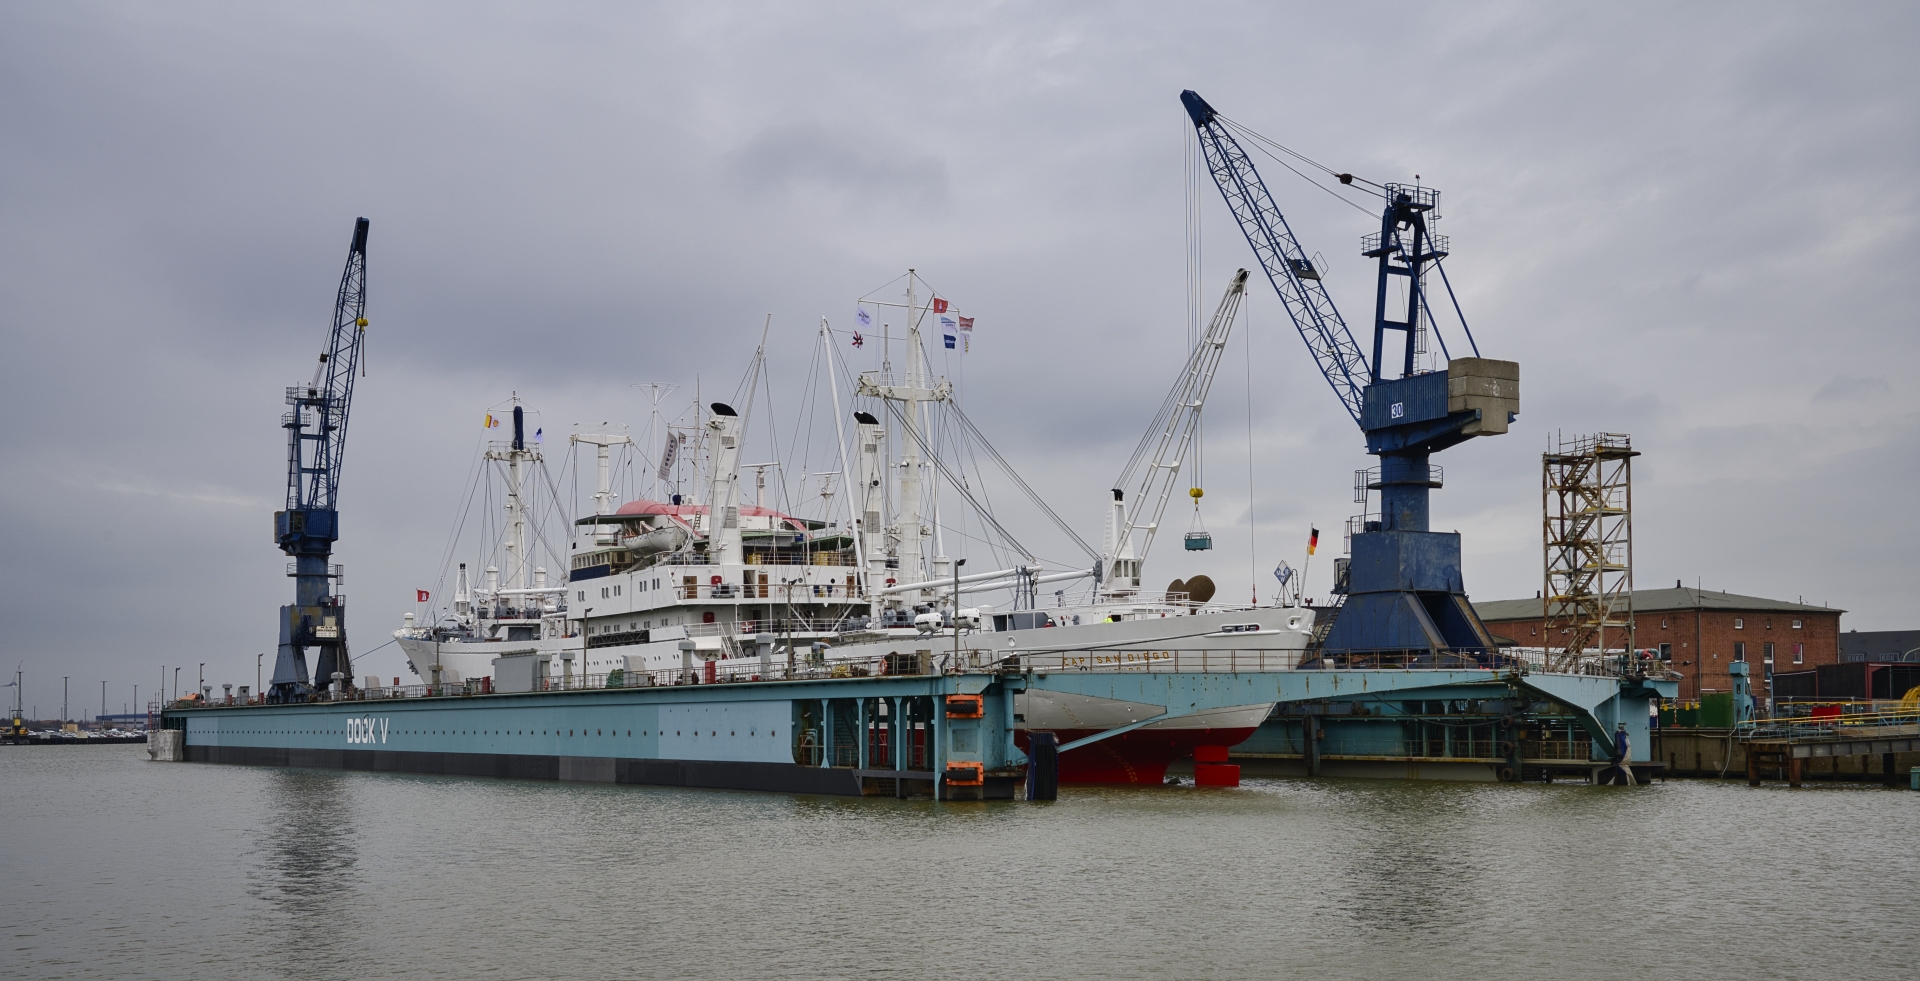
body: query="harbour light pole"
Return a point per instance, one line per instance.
(63, 699)
(176, 684)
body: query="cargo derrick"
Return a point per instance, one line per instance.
(1402, 581)
(306, 530)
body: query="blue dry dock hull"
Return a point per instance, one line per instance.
(842, 736)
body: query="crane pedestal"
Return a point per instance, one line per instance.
(1403, 583)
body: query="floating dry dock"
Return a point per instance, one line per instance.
(953, 730)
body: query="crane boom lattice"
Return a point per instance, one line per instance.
(1287, 266)
(1165, 448)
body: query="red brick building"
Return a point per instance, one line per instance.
(1699, 632)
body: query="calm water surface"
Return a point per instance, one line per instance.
(114, 867)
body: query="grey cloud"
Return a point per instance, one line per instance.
(853, 168)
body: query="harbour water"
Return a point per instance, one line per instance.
(114, 867)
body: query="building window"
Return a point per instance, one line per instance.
(1739, 649)
(1663, 623)
(1769, 623)
(1766, 652)
(1799, 653)
(1666, 652)
(1796, 625)
(1739, 624)
(1533, 631)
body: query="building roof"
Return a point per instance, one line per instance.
(1877, 645)
(1660, 600)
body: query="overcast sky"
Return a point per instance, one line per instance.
(1691, 223)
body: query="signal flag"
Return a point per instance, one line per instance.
(420, 595)
(939, 305)
(1313, 541)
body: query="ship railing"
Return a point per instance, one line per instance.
(779, 627)
(769, 590)
(1859, 725)
(934, 658)
(794, 555)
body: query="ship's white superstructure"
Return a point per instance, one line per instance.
(706, 588)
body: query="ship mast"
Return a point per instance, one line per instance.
(905, 536)
(516, 455)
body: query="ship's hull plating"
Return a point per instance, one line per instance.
(705, 774)
(1140, 756)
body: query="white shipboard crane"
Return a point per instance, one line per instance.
(1162, 451)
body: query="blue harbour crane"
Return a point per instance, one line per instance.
(1402, 581)
(316, 441)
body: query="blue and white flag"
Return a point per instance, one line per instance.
(1283, 572)
(946, 331)
(950, 339)
(860, 314)
(537, 434)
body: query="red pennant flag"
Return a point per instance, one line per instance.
(420, 595)
(939, 305)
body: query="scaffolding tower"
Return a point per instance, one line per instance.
(1586, 498)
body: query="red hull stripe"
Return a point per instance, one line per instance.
(1140, 756)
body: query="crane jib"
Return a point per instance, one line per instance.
(1308, 304)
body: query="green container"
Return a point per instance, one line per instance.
(1716, 710)
(1913, 778)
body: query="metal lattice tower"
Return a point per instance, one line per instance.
(1586, 498)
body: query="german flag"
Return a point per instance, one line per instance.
(1313, 541)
